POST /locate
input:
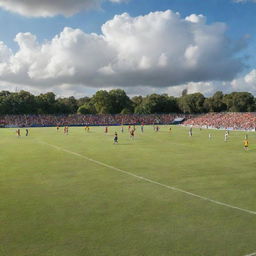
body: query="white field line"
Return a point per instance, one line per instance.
(151, 181)
(252, 254)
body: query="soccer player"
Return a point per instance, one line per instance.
(246, 144)
(116, 138)
(66, 130)
(18, 132)
(209, 136)
(170, 129)
(106, 129)
(142, 128)
(26, 132)
(122, 129)
(190, 132)
(58, 128)
(226, 136)
(132, 134)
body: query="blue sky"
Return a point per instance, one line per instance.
(239, 18)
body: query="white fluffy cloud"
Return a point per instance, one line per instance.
(245, 83)
(157, 50)
(244, 1)
(49, 8)
(118, 1)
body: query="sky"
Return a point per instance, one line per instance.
(75, 48)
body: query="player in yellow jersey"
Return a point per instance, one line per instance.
(66, 130)
(246, 144)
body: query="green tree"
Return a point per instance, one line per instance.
(83, 101)
(137, 100)
(46, 103)
(215, 103)
(17, 103)
(87, 108)
(240, 102)
(119, 101)
(192, 103)
(102, 102)
(26, 103)
(66, 105)
(126, 111)
(142, 109)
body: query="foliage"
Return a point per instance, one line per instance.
(116, 101)
(192, 103)
(119, 101)
(240, 102)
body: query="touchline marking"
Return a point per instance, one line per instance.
(150, 181)
(252, 254)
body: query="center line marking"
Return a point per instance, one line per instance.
(151, 181)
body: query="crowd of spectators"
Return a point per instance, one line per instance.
(236, 121)
(80, 120)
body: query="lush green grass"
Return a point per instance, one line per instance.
(53, 203)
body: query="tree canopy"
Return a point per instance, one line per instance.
(116, 101)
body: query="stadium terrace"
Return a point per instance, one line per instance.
(234, 121)
(81, 120)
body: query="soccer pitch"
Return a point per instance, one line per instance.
(162, 193)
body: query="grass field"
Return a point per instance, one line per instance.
(80, 195)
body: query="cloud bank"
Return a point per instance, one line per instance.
(244, 1)
(245, 83)
(49, 8)
(158, 50)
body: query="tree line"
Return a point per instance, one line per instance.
(117, 102)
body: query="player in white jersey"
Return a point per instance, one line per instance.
(226, 136)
